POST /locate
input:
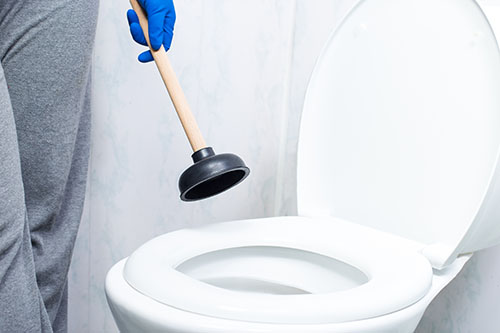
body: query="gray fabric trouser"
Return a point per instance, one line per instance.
(45, 54)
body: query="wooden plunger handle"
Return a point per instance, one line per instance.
(173, 87)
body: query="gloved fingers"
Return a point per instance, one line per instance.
(161, 21)
(167, 39)
(145, 56)
(168, 29)
(132, 17)
(135, 28)
(156, 20)
(169, 22)
(138, 34)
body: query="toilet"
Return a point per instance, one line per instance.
(397, 185)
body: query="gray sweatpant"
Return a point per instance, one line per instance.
(45, 54)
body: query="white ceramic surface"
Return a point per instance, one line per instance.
(132, 192)
(134, 311)
(396, 275)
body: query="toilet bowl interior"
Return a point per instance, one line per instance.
(273, 270)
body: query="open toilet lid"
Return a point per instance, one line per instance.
(401, 125)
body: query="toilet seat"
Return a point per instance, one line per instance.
(398, 277)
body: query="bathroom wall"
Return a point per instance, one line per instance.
(244, 66)
(233, 60)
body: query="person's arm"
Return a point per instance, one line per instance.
(161, 17)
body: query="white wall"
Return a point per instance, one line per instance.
(232, 58)
(244, 66)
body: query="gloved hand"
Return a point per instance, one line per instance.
(161, 20)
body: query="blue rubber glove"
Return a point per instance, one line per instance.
(161, 21)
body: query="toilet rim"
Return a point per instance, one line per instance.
(397, 278)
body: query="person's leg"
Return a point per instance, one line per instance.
(71, 207)
(21, 306)
(46, 47)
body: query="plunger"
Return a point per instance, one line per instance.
(211, 173)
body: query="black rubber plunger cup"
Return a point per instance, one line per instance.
(210, 174)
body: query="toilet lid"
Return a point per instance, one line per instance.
(400, 129)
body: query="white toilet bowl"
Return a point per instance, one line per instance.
(267, 260)
(397, 184)
(256, 276)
